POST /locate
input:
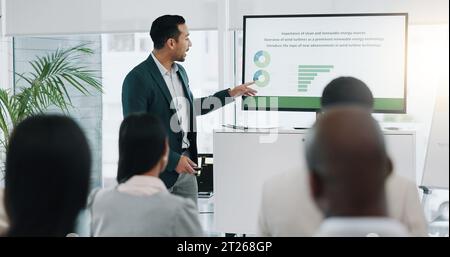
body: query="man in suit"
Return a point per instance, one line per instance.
(287, 208)
(160, 86)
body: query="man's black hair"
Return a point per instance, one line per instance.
(165, 27)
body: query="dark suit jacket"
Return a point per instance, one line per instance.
(144, 90)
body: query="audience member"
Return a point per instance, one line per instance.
(141, 205)
(348, 166)
(286, 206)
(48, 166)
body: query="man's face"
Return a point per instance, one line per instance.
(182, 44)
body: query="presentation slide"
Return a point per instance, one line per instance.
(292, 58)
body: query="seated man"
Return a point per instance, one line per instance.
(348, 166)
(286, 206)
(141, 205)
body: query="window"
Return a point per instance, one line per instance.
(5, 82)
(87, 111)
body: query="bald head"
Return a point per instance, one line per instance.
(348, 162)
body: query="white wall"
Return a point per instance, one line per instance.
(47, 17)
(420, 11)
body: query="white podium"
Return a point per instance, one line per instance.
(245, 159)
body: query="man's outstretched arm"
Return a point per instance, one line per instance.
(208, 104)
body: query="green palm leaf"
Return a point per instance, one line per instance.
(47, 85)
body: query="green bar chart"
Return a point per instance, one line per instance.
(307, 73)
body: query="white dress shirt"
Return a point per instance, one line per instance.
(179, 101)
(141, 185)
(361, 227)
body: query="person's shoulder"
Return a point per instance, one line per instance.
(137, 77)
(282, 181)
(138, 69)
(398, 183)
(289, 186)
(172, 204)
(177, 201)
(281, 187)
(401, 193)
(99, 193)
(186, 209)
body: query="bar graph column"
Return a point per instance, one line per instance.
(307, 73)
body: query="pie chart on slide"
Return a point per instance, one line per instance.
(261, 59)
(261, 78)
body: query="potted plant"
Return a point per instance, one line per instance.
(46, 86)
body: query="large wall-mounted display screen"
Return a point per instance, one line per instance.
(292, 58)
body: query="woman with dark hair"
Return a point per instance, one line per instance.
(48, 165)
(141, 205)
